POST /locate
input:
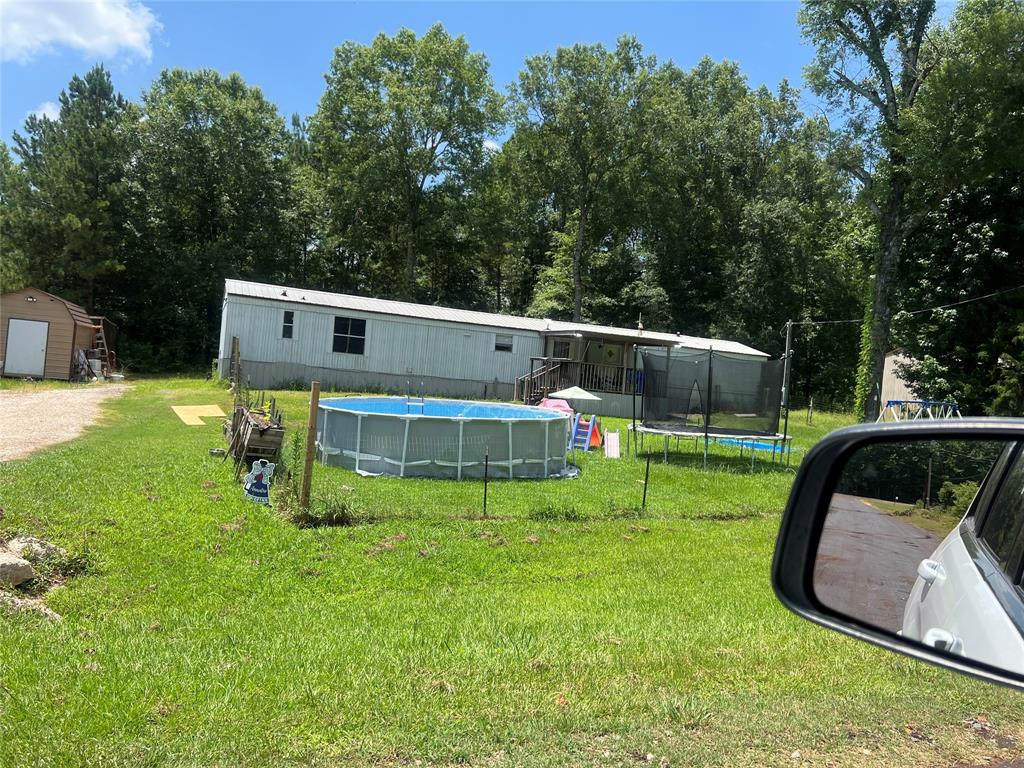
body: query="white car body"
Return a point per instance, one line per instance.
(954, 605)
(960, 602)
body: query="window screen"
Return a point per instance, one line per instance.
(349, 335)
(560, 349)
(288, 325)
(502, 342)
(1001, 528)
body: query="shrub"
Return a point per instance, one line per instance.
(290, 464)
(955, 498)
(336, 507)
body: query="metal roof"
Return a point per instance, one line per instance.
(470, 317)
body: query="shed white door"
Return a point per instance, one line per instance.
(26, 347)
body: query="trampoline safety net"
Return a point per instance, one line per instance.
(686, 390)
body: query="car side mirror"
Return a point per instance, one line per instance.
(911, 536)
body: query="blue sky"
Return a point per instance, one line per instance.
(285, 48)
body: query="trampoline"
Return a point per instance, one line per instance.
(455, 439)
(723, 398)
(778, 444)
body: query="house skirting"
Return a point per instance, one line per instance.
(261, 375)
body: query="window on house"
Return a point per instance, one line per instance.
(560, 349)
(349, 335)
(502, 342)
(288, 326)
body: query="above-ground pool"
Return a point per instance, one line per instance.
(416, 437)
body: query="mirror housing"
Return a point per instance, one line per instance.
(804, 520)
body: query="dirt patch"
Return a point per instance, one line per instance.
(387, 544)
(30, 421)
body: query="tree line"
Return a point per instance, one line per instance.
(601, 185)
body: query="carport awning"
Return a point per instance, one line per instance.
(648, 338)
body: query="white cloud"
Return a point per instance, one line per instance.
(93, 27)
(46, 109)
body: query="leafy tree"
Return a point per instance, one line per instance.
(399, 131)
(582, 114)
(966, 150)
(749, 223)
(13, 192)
(305, 209)
(554, 296)
(872, 62)
(1008, 388)
(210, 194)
(706, 152)
(515, 219)
(66, 202)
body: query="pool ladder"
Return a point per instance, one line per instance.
(410, 401)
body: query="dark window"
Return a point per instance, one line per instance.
(1001, 528)
(349, 335)
(502, 342)
(560, 349)
(990, 486)
(288, 325)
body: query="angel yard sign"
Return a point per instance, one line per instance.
(256, 485)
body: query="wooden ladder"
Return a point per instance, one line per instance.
(100, 344)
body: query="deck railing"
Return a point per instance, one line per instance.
(550, 375)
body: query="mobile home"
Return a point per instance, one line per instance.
(289, 334)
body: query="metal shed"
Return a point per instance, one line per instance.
(40, 333)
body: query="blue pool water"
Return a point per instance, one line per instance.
(758, 445)
(444, 409)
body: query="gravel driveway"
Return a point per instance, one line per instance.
(33, 420)
(867, 561)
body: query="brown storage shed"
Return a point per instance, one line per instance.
(39, 333)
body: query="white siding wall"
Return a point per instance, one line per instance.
(893, 385)
(394, 345)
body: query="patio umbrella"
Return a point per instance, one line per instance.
(574, 393)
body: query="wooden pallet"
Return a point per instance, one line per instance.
(255, 431)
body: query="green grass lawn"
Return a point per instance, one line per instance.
(567, 629)
(936, 520)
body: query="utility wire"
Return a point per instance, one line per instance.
(965, 301)
(826, 322)
(916, 311)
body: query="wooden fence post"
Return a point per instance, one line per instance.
(235, 370)
(647, 482)
(307, 472)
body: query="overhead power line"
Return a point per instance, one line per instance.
(966, 301)
(917, 311)
(826, 322)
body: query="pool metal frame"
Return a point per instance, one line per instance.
(357, 455)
